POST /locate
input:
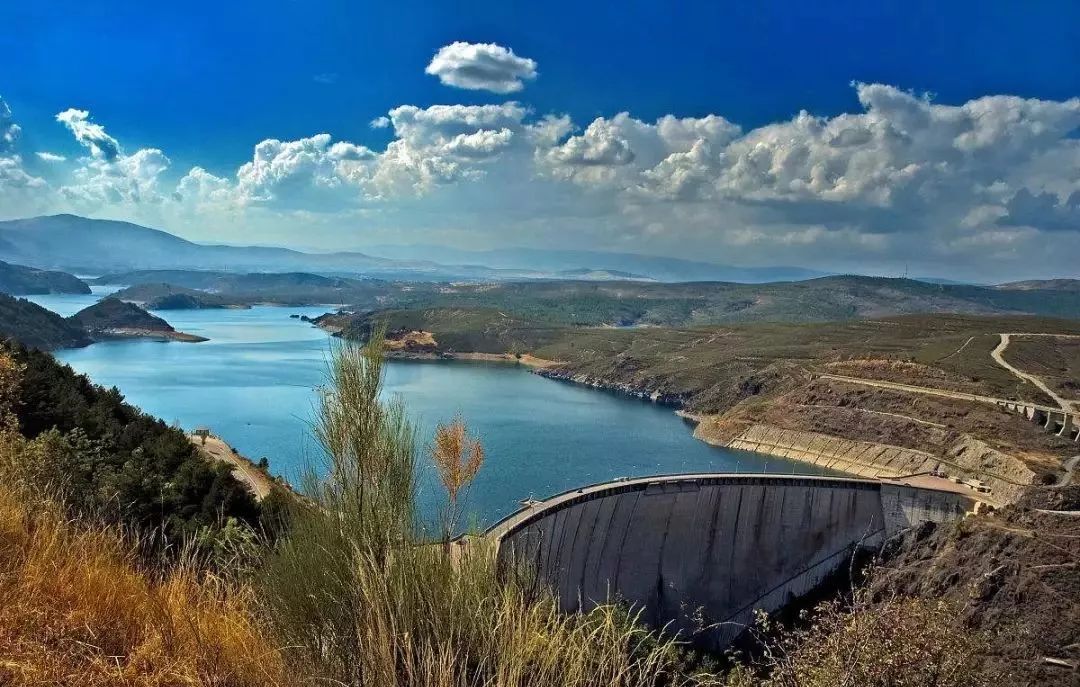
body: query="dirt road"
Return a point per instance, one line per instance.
(998, 355)
(930, 391)
(257, 482)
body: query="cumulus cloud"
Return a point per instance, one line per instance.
(901, 178)
(46, 156)
(9, 130)
(90, 134)
(108, 176)
(19, 190)
(481, 67)
(1043, 210)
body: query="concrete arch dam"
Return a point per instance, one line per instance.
(687, 549)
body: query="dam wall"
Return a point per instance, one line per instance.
(707, 550)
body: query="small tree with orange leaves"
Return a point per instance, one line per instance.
(458, 458)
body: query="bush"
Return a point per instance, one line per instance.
(367, 600)
(895, 642)
(110, 460)
(76, 609)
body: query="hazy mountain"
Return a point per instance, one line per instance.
(19, 280)
(94, 246)
(83, 245)
(1042, 285)
(556, 261)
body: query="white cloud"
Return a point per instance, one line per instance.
(19, 190)
(46, 156)
(481, 66)
(901, 179)
(90, 134)
(108, 177)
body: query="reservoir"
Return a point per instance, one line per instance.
(253, 384)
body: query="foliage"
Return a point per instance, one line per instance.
(458, 458)
(895, 642)
(366, 600)
(76, 609)
(33, 325)
(111, 460)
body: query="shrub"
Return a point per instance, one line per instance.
(76, 609)
(894, 642)
(366, 600)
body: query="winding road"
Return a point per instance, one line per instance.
(998, 355)
(1070, 465)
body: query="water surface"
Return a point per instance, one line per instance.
(252, 384)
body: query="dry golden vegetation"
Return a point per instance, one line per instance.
(78, 607)
(898, 642)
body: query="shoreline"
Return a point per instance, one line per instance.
(121, 333)
(830, 451)
(525, 360)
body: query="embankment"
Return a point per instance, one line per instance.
(969, 459)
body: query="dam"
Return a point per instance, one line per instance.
(706, 550)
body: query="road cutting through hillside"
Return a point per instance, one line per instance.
(998, 355)
(256, 481)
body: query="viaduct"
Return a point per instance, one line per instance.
(1055, 420)
(706, 550)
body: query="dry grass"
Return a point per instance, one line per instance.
(76, 610)
(893, 642)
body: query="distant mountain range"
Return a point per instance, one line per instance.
(91, 246)
(1042, 285)
(569, 261)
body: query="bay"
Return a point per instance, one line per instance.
(253, 383)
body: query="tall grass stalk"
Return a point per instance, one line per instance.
(365, 601)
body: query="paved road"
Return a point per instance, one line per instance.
(243, 469)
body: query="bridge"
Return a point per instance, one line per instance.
(708, 549)
(1057, 421)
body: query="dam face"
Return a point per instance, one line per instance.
(707, 550)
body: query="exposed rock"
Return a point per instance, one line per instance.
(628, 388)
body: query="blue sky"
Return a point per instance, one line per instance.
(203, 83)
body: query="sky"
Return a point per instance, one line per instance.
(892, 137)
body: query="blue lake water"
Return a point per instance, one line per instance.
(253, 381)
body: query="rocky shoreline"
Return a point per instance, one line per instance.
(653, 395)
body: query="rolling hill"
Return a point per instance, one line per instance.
(34, 326)
(87, 245)
(19, 280)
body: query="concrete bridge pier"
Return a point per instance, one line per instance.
(1066, 426)
(1051, 423)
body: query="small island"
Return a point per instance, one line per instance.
(112, 318)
